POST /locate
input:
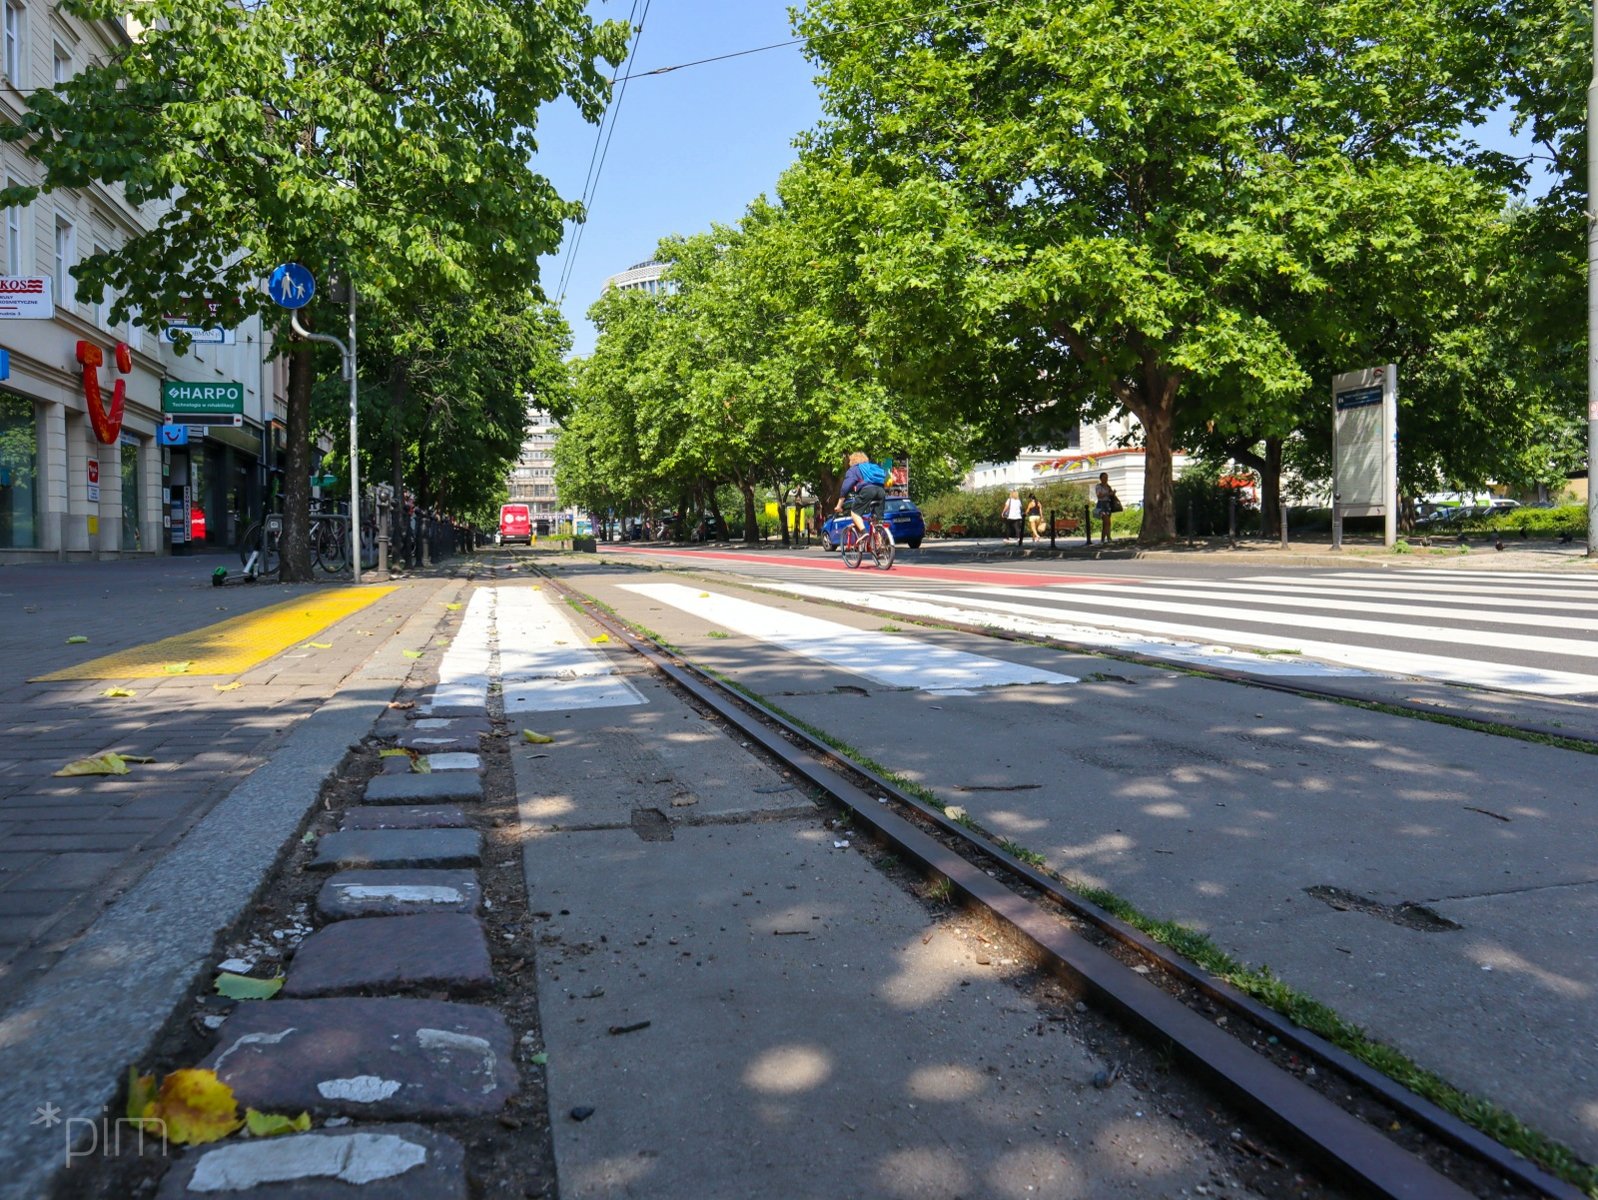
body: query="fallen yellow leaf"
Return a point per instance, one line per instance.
(318, 645)
(178, 668)
(604, 637)
(116, 693)
(411, 653)
(194, 1107)
(262, 1124)
(141, 1093)
(393, 754)
(76, 639)
(537, 739)
(453, 607)
(227, 687)
(102, 764)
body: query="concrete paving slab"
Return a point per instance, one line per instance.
(605, 763)
(397, 893)
(392, 954)
(797, 1028)
(405, 816)
(391, 1162)
(398, 848)
(1217, 806)
(413, 789)
(373, 1059)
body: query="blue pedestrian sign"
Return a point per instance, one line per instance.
(172, 435)
(291, 286)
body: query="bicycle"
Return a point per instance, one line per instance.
(330, 541)
(259, 547)
(877, 540)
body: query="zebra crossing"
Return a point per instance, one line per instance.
(1527, 632)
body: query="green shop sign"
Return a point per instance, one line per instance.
(179, 396)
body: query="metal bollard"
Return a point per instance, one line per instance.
(1281, 508)
(1052, 546)
(1087, 522)
(426, 539)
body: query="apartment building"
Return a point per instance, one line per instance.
(74, 483)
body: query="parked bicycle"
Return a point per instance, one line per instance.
(876, 540)
(259, 547)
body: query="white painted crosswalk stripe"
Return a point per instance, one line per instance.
(545, 663)
(1268, 587)
(1441, 586)
(1461, 607)
(1141, 603)
(885, 658)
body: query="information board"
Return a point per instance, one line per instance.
(1365, 447)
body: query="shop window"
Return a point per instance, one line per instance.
(132, 498)
(19, 465)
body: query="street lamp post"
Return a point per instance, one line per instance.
(1592, 297)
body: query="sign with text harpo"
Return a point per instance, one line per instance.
(220, 398)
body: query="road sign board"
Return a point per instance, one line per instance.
(225, 397)
(291, 286)
(172, 435)
(94, 480)
(5, 364)
(199, 335)
(26, 299)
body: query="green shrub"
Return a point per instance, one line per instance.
(1203, 506)
(1535, 522)
(982, 512)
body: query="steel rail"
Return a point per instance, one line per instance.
(1352, 1149)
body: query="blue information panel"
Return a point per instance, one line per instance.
(291, 286)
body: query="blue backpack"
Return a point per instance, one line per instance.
(871, 472)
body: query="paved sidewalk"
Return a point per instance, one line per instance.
(72, 844)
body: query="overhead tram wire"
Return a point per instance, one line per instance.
(596, 161)
(628, 74)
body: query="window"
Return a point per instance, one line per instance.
(60, 66)
(14, 42)
(102, 306)
(64, 260)
(134, 332)
(13, 236)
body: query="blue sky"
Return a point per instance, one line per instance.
(694, 146)
(690, 147)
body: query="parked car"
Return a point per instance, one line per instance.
(902, 516)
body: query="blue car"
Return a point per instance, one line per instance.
(903, 517)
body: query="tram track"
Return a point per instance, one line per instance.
(1097, 952)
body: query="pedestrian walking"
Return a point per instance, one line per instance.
(1012, 516)
(1106, 502)
(1034, 518)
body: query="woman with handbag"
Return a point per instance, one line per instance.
(1106, 502)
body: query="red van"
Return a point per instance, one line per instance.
(515, 524)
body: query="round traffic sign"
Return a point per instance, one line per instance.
(291, 286)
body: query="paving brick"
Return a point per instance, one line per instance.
(17, 902)
(393, 1162)
(377, 1059)
(411, 789)
(437, 741)
(405, 816)
(391, 954)
(399, 848)
(397, 893)
(454, 762)
(67, 871)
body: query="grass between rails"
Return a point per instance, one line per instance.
(1260, 983)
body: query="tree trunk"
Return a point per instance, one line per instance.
(751, 531)
(296, 545)
(1154, 405)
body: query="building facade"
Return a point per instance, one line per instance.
(1108, 446)
(640, 277)
(74, 481)
(532, 480)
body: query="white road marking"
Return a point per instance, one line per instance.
(1560, 647)
(909, 604)
(546, 663)
(1269, 587)
(1462, 608)
(463, 674)
(1430, 586)
(1477, 673)
(885, 658)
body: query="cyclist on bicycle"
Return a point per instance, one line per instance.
(862, 488)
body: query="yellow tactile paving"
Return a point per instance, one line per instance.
(231, 646)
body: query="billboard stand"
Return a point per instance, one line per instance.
(1365, 449)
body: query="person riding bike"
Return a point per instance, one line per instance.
(862, 489)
